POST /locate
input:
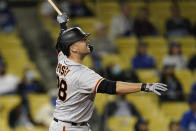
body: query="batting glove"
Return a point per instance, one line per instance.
(154, 87)
(62, 18)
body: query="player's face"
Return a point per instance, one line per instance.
(82, 46)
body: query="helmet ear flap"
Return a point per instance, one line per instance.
(58, 47)
(64, 47)
(66, 50)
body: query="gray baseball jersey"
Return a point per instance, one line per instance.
(77, 88)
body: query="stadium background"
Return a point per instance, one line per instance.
(30, 45)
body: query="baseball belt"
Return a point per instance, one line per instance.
(73, 123)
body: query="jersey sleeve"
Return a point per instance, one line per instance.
(89, 81)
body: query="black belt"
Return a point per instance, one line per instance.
(72, 123)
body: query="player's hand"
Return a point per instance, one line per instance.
(156, 88)
(62, 18)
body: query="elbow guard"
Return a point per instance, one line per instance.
(107, 86)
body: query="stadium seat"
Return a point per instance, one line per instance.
(158, 54)
(87, 24)
(147, 105)
(116, 60)
(121, 123)
(7, 103)
(188, 45)
(17, 60)
(9, 41)
(135, 7)
(91, 6)
(186, 79)
(160, 12)
(157, 47)
(148, 75)
(185, 41)
(127, 49)
(36, 101)
(174, 110)
(188, 9)
(15, 55)
(159, 122)
(34, 128)
(194, 75)
(144, 101)
(155, 41)
(107, 10)
(126, 45)
(101, 100)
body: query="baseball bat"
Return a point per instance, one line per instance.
(55, 7)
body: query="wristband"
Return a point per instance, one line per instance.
(143, 87)
(63, 25)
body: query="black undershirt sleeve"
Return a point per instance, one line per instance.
(63, 26)
(107, 86)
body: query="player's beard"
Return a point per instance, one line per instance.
(90, 47)
(85, 51)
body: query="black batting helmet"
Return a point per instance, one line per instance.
(69, 37)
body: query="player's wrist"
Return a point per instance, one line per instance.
(63, 25)
(143, 87)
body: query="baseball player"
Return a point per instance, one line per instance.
(78, 84)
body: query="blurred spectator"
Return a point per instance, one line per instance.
(119, 108)
(102, 44)
(29, 84)
(175, 91)
(174, 126)
(192, 96)
(188, 122)
(142, 60)
(46, 9)
(131, 76)
(177, 26)
(114, 72)
(7, 21)
(141, 125)
(78, 8)
(142, 25)
(45, 113)
(8, 82)
(175, 56)
(192, 63)
(21, 116)
(122, 24)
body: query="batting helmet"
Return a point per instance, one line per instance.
(69, 37)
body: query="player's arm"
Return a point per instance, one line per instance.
(118, 87)
(125, 87)
(62, 20)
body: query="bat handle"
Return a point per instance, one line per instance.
(55, 7)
